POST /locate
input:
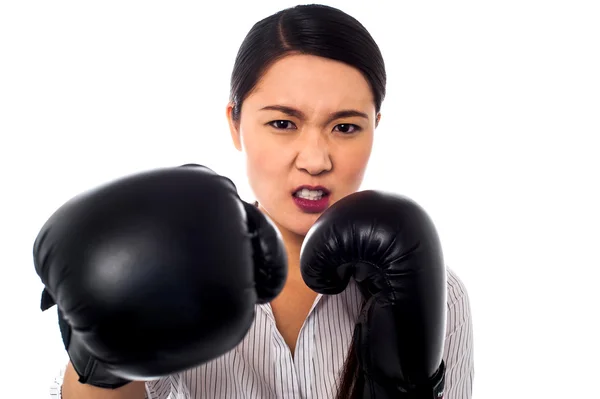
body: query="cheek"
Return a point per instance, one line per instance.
(265, 163)
(352, 164)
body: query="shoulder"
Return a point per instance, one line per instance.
(458, 346)
(457, 291)
(458, 303)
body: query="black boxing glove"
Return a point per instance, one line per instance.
(156, 273)
(390, 246)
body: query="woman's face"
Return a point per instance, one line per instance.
(307, 132)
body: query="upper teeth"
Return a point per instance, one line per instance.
(309, 194)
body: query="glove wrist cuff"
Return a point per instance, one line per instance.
(432, 389)
(89, 370)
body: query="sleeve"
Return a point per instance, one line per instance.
(56, 385)
(161, 388)
(458, 348)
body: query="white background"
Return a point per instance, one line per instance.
(491, 123)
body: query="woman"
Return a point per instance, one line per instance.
(306, 93)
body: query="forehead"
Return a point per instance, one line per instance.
(307, 81)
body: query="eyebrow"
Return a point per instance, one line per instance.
(347, 113)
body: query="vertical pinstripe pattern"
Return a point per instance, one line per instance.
(262, 366)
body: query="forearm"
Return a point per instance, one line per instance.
(73, 389)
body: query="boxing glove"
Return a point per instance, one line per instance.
(156, 273)
(390, 247)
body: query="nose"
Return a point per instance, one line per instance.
(313, 153)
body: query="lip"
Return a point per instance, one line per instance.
(312, 206)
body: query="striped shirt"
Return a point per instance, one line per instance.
(262, 365)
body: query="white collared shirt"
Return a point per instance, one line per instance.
(262, 366)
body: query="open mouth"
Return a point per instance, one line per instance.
(311, 199)
(311, 194)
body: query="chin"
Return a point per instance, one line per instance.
(293, 220)
(303, 224)
(299, 223)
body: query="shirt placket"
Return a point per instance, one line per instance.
(300, 363)
(305, 346)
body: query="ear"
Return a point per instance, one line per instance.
(377, 119)
(234, 127)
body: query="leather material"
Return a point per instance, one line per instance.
(270, 277)
(89, 370)
(390, 246)
(86, 366)
(155, 273)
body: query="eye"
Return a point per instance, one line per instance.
(282, 124)
(347, 128)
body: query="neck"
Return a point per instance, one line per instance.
(293, 244)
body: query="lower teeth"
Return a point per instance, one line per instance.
(310, 198)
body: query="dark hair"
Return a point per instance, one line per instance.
(313, 30)
(306, 29)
